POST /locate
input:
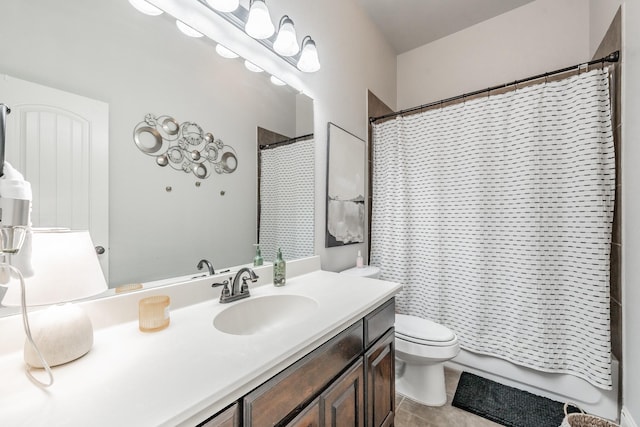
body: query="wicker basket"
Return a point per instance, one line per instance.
(584, 420)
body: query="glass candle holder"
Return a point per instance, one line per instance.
(153, 313)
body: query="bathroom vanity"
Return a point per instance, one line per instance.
(332, 362)
(349, 380)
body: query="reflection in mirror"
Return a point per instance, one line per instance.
(136, 65)
(286, 186)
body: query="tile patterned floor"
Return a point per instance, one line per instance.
(412, 414)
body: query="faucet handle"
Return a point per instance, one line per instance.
(225, 289)
(245, 287)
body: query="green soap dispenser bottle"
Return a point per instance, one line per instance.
(279, 270)
(258, 260)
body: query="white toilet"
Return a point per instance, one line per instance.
(422, 347)
(370, 271)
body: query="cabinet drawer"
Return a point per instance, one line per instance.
(379, 321)
(274, 400)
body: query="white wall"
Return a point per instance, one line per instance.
(631, 206)
(601, 13)
(532, 39)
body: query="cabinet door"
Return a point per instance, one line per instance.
(310, 417)
(226, 418)
(343, 402)
(380, 374)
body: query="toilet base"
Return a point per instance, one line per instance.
(422, 383)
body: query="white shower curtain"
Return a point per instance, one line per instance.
(286, 200)
(495, 215)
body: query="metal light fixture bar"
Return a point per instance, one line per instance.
(238, 18)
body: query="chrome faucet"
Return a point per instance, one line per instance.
(237, 291)
(204, 262)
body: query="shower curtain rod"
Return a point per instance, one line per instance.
(612, 57)
(286, 141)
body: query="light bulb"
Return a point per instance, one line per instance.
(145, 7)
(286, 43)
(224, 52)
(224, 5)
(276, 81)
(252, 67)
(259, 25)
(187, 30)
(308, 61)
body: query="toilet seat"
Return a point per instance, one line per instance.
(424, 332)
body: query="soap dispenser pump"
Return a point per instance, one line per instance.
(279, 270)
(359, 261)
(258, 260)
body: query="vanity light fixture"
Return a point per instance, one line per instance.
(276, 81)
(187, 30)
(308, 61)
(286, 43)
(224, 5)
(256, 23)
(145, 7)
(225, 53)
(259, 25)
(252, 67)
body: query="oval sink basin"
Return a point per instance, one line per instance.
(256, 315)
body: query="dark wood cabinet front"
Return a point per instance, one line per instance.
(229, 417)
(309, 417)
(343, 402)
(380, 380)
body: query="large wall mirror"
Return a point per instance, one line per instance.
(161, 222)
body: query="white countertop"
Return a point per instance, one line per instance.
(187, 372)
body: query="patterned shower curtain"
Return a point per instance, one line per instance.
(495, 214)
(286, 200)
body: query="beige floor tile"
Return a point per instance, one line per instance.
(451, 378)
(413, 414)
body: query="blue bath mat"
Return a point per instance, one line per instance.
(506, 405)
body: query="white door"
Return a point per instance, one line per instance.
(59, 142)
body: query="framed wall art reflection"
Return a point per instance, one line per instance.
(346, 177)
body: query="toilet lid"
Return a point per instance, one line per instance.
(417, 329)
(366, 271)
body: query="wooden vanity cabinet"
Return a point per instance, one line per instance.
(229, 417)
(349, 381)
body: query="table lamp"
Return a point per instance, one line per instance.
(65, 268)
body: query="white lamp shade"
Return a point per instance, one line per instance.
(187, 30)
(65, 268)
(224, 5)
(308, 61)
(224, 52)
(286, 43)
(145, 7)
(259, 25)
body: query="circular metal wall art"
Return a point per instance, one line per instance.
(183, 146)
